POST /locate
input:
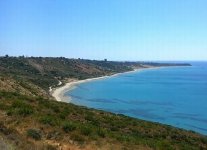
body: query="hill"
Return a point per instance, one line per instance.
(31, 119)
(34, 75)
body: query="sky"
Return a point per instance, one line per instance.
(98, 29)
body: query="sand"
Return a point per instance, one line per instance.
(58, 93)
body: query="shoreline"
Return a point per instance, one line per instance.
(58, 93)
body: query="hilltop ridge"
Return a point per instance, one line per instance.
(34, 75)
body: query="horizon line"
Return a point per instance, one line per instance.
(164, 60)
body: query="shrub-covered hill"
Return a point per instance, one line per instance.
(45, 72)
(37, 123)
(34, 75)
(31, 119)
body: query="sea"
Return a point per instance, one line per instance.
(174, 96)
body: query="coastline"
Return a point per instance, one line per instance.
(58, 93)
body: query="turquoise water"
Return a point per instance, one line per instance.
(176, 96)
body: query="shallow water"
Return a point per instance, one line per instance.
(176, 95)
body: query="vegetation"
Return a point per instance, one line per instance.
(68, 127)
(34, 75)
(31, 119)
(87, 127)
(33, 134)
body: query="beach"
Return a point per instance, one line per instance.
(58, 93)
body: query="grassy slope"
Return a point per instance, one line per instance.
(29, 120)
(41, 122)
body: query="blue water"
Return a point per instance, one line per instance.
(175, 96)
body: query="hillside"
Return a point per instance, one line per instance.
(37, 123)
(31, 119)
(34, 75)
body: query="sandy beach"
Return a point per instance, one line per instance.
(58, 93)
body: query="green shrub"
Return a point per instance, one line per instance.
(25, 111)
(49, 120)
(33, 133)
(164, 145)
(85, 130)
(63, 114)
(10, 112)
(124, 138)
(18, 104)
(54, 107)
(68, 126)
(21, 108)
(90, 117)
(101, 133)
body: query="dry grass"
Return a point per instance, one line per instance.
(41, 122)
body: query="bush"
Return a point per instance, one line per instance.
(114, 128)
(86, 130)
(164, 145)
(101, 133)
(90, 117)
(21, 108)
(68, 126)
(10, 112)
(25, 111)
(18, 104)
(48, 120)
(33, 133)
(63, 114)
(54, 107)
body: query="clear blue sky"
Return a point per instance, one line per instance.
(98, 29)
